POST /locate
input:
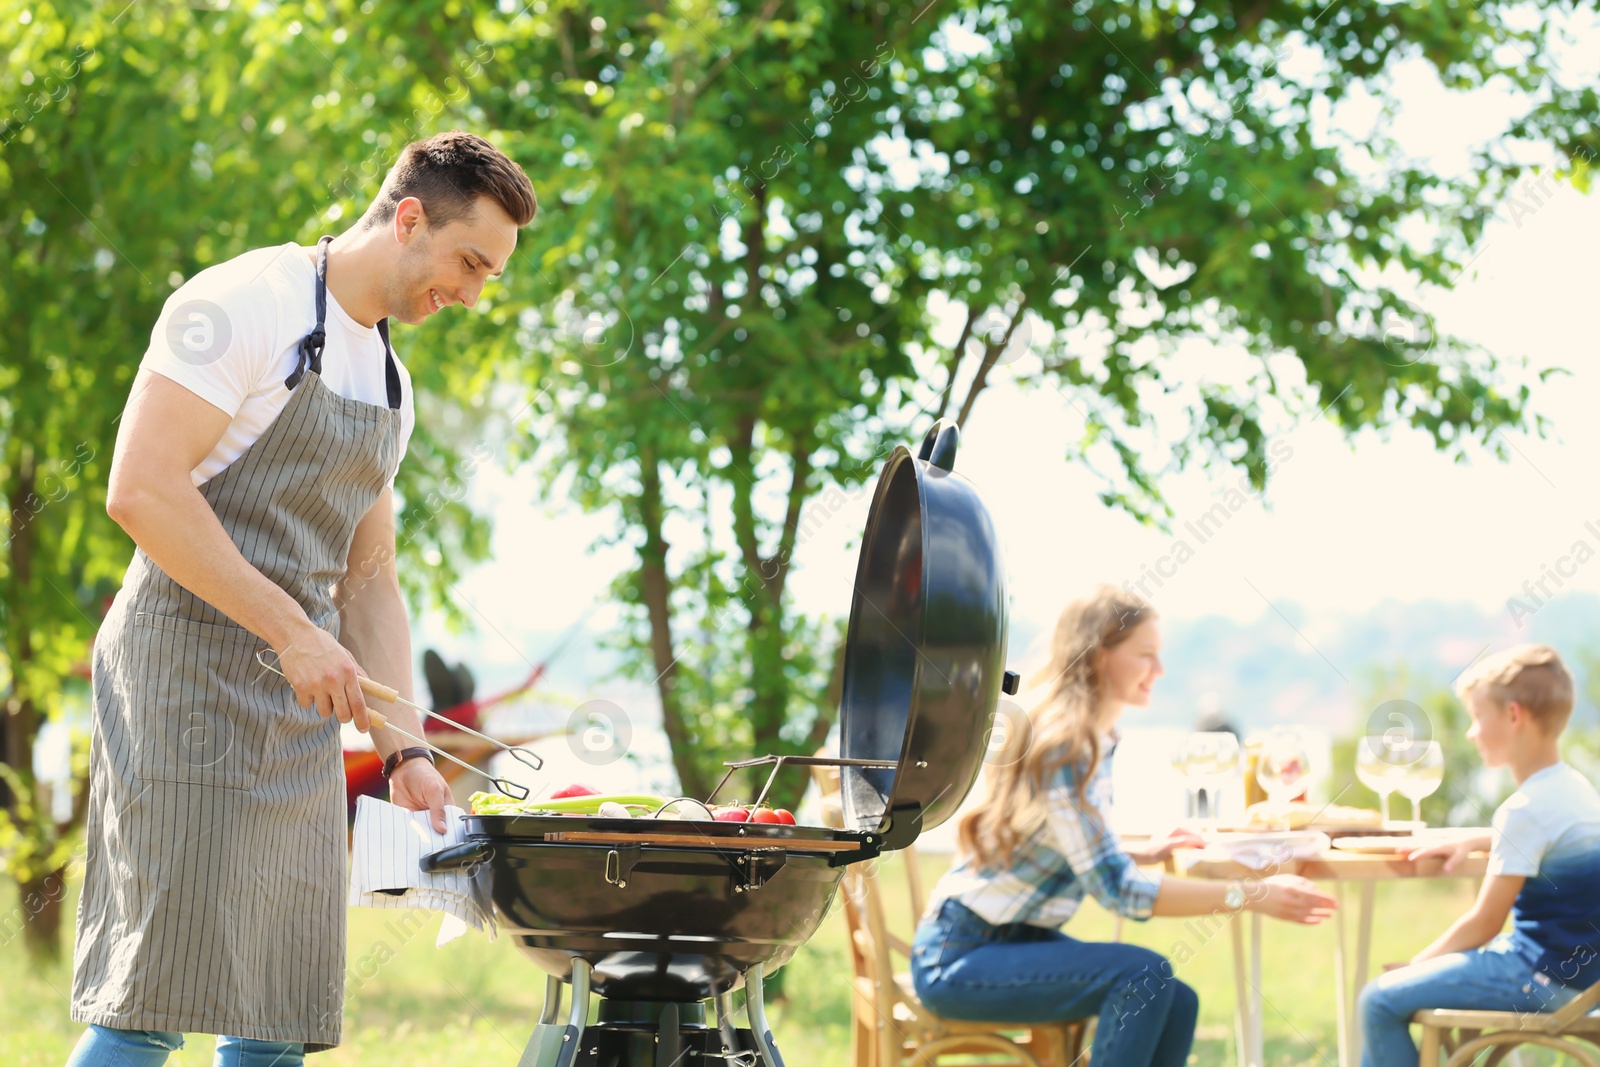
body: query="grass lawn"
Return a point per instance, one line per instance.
(475, 1003)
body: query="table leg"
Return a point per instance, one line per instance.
(1258, 1038)
(1350, 980)
(1358, 980)
(1341, 997)
(1241, 994)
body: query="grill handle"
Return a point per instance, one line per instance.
(460, 857)
(939, 446)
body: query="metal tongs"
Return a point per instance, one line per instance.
(379, 691)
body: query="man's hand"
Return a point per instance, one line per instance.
(417, 785)
(1291, 898)
(1161, 846)
(322, 672)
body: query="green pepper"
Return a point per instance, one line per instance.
(495, 804)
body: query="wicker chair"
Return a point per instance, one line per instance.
(1462, 1034)
(890, 1026)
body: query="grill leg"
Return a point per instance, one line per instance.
(669, 1038)
(553, 1045)
(755, 1007)
(552, 1001)
(730, 1039)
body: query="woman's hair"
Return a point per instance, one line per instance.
(1064, 728)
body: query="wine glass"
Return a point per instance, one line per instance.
(1422, 775)
(1208, 760)
(1379, 768)
(1283, 771)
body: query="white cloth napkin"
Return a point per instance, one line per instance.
(386, 854)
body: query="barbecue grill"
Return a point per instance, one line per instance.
(659, 917)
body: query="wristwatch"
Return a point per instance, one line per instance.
(1233, 899)
(394, 759)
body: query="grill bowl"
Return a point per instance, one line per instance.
(657, 922)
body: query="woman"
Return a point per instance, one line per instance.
(989, 947)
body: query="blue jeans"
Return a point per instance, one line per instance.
(964, 968)
(102, 1046)
(1500, 976)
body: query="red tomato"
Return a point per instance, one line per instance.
(765, 815)
(575, 790)
(785, 816)
(732, 814)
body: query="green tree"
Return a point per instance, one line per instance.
(738, 287)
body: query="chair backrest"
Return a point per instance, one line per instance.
(883, 955)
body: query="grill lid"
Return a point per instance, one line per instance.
(925, 651)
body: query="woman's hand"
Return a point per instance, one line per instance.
(1161, 846)
(1291, 898)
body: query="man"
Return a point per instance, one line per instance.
(254, 470)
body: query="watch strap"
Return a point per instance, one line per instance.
(394, 759)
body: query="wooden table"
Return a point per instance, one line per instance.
(1365, 871)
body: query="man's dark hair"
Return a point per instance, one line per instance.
(447, 172)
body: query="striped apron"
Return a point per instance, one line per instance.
(213, 895)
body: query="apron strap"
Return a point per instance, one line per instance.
(311, 345)
(391, 373)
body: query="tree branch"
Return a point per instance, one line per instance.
(656, 589)
(956, 355)
(740, 448)
(756, 27)
(779, 563)
(990, 354)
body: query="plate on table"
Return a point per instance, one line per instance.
(1263, 849)
(1383, 845)
(1335, 820)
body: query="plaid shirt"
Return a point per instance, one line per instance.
(1073, 854)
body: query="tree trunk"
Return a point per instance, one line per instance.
(769, 680)
(43, 903)
(41, 924)
(656, 589)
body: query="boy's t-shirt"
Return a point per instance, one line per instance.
(1549, 832)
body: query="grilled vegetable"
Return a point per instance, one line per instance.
(575, 790)
(495, 804)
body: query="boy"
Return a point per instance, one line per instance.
(1544, 864)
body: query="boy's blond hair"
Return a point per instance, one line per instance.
(1532, 676)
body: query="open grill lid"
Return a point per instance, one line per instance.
(925, 651)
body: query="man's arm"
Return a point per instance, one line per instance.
(1485, 919)
(373, 626)
(166, 431)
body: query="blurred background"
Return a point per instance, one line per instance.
(1281, 316)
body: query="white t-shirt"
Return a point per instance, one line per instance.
(231, 335)
(1549, 832)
